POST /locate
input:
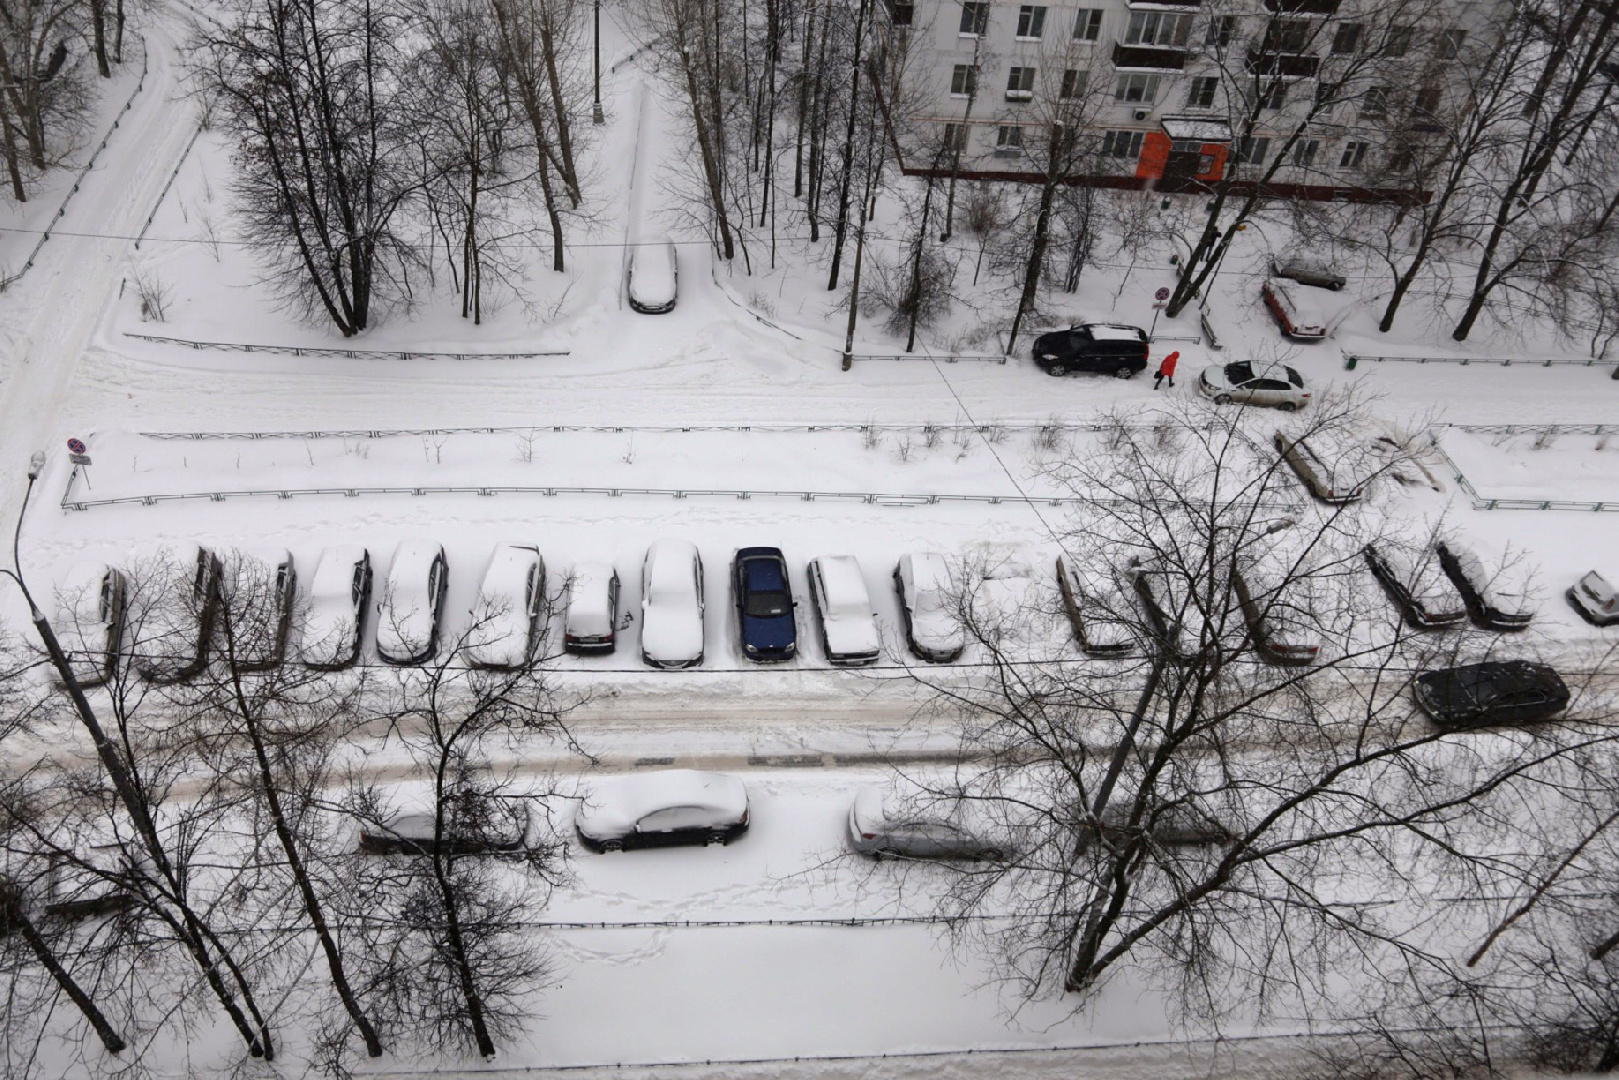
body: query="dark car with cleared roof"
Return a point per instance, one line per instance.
(1106, 348)
(764, 604)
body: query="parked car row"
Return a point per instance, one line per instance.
(1439, 588)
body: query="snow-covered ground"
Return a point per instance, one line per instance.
(71, 368)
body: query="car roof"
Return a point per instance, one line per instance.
(763, 567)
(671, 563)
(929, 570)
(413, 557)
(616, 803)
(842, 581)
(335, 570)
(1114, 332)
(508, 569)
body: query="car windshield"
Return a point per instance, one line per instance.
(767, 604)
(1239, 372)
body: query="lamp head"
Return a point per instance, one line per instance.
(36, 464)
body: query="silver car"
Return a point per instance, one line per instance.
(877, 829)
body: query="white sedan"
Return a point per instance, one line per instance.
(173, 616)
(654, 277)
(672, 605)
(506, 617)
(258, 593)
(926, 595)
(407, 619)
(334, 613)
(843, 610)
(1250, 384)
(89, 620)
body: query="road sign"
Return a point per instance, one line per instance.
(75, 446)
(1162, 294)
(79, 459)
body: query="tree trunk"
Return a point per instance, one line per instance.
(564, 140)
(1042, 237)
(842, 224)
(916, 265)
(12, 913)
(98, 32)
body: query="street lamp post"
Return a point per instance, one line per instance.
(596, 115)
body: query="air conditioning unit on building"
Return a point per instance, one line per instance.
(1142, 114)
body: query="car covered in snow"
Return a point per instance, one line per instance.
(879, 826)
(1166, 825)
(412, 602)
(1097, 609)
(1595, 598)
(591, 623)
(1334, 474)
(173, 615)
(672, 605)
(662, 809)
(1248, 383)
(1296, 309)
(1277, 613)
(1493, 602)
(764, 605)
(654, 276)
(843, 611)
(1307, 271)
(1414, 582)
(482, 827)
(334, 610)
(90, 620)
(926, 594)
(258, 593)
(1494, 692)
(1106, 348)
(1173, 611)
(506, 617)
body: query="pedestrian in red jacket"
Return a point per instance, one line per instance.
(1166, 370)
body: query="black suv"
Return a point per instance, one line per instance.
(1494, 692)
(1109, 348)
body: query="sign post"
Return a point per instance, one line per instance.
(1159, 298)
(76, 454)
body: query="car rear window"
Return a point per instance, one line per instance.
(1295, 378)
(1240, 372)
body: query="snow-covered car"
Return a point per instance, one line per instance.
(501, 833)
(672, 605)
(591, 623)
(662, 809)
(1170, 825)
(878, 827)
(1493, 603)
(843, 611)
(257, 595)
(1246, 384)
(925, 589)
(412, 600)
(1307, 271)
(90, 620)
(767, 626)
(1299, 314)
(334, 610)
(1595, 599)
(1177, 619)
(173, 616)
(1413, 580)
(1333, 478)
(1278, 618)
(1096, 608)
(1494, 692)
(506, 617)
(654, 276)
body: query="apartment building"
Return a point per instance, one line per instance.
(1165, 92)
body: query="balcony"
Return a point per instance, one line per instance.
(1163, 5)
(1147, 58)
(1302, 7)
(1287, 65)
(1020, 95)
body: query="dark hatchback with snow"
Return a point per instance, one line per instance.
(764, 605)
(1494, 692)
(1106, 348)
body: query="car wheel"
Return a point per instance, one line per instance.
(990, 855)
(1222, 399)
(609, 846)
(1058, 369)
(1288, 406)
(1123, 372)
(716, 840)
(1335, 286)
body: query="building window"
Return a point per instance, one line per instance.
(1222, 31)
(1288, 36)
(1274, 96)
(1347, 39)
(1165, 29)
(1200, 92)
(1020, 84)
(955, 138)
(1088, 26)
(902, 12)
(1008, 139)
(1449, 44)
(1354, 153)
(1253, 151)
(1427, 101)
(1074, 83)
(1376, 102)
(1122, 144)
(1136, 88)
(963, 81)
(1326, 95)
(1304, 152)
(1399, 41)
(1031, 22)
(974, 17)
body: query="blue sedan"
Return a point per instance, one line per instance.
(764, 604)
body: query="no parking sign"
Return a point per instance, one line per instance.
(76, 452)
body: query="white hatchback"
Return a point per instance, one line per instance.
(843, 611)
(1254, 384)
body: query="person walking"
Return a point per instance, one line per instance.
(1166, 370)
